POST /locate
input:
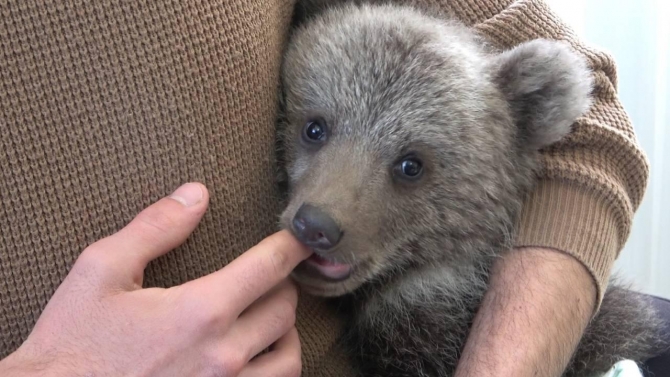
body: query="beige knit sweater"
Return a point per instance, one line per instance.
(108, 105)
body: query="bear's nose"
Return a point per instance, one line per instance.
(315, 228)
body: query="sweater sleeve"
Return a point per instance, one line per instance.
(593, 181)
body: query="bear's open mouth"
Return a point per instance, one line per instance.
(329, 269)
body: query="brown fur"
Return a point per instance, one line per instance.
(391, 80)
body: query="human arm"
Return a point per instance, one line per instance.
(101, 322)
(581, 211)
(532, 317)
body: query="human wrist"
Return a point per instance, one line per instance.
(19, 365)
(28, 362)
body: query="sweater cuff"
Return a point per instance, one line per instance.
(473, 12)
(570, 218)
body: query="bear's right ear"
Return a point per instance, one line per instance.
(547, 86)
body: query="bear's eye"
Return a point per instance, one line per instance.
(315, 132)
(409, 168)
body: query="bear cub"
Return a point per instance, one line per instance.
(409, 148)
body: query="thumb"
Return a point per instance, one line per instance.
(156, 230)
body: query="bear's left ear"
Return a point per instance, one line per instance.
(547, 86)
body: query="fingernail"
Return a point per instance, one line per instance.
(188, 194)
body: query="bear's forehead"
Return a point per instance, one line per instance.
(376, 46)
(354, 84)
(360, 64)
(362, 78)
(393, 103)
(389, 82)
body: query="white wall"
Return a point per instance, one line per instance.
(637, 34)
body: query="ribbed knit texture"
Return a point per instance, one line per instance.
(108, 105)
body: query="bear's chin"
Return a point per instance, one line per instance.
(311, 278)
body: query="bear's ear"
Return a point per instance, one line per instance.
(547, 86)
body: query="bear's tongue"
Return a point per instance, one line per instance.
(333, 270)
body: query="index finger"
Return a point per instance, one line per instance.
(254, 273)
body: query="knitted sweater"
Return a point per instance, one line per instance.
(108, 105)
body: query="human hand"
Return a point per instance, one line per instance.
(100, 322)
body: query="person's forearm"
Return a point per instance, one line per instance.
(532, 317)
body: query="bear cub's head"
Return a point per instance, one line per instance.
(407, 143)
